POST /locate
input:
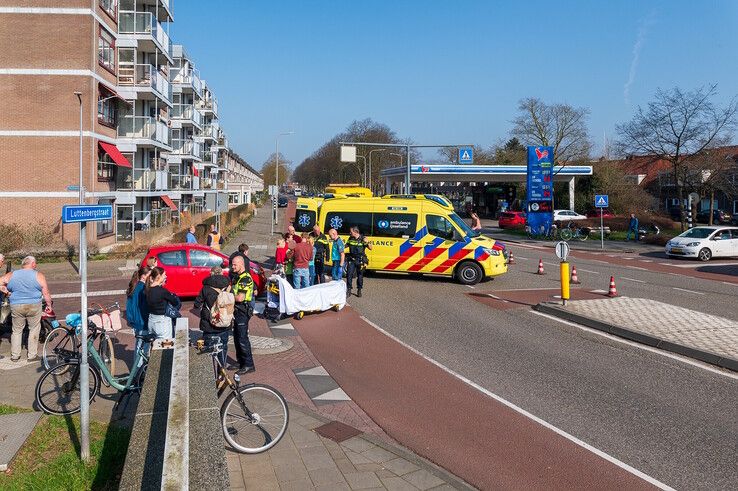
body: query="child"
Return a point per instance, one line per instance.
(280, 256)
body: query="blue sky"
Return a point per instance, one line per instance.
(444, 71)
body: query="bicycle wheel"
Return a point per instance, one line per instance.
(565, 234)
(107, 354)
(583, 234)
(59, 340)
(261, 426)
(58, 389)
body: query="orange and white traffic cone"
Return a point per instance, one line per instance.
(613, 291)
(511, 258)
(574, 277)
(540, 267)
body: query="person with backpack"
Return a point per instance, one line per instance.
(243, 289)
(137, 310)
(216, 304)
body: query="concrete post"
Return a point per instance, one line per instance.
(571, 193)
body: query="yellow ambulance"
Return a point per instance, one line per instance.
(350, 190)
(409, 234)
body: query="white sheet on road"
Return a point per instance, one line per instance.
(313, 298)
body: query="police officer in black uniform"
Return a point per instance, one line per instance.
(356, 259)
(322, 248)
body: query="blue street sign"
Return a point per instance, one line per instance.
(72, 188)
(86, 213)
(466, 155)
(602, 201)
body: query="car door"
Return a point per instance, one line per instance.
(174, 262)
(440, 238)
(394, 233)
(200, 263)
(732, 246)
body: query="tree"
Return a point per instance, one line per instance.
(560, 126)
(679, 127)
(482, 156)
(716, 170)
(511, 153)
(267, 170)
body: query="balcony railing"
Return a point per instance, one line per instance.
(187, 147)
(155, 218)
(145, 75)
(144, 23)
(220, 184)
(188, 112)
(143, 127)
(180, 181)
(188, 76)
(206, 183)
(208, 105)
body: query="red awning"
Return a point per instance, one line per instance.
(113, 93)
(115, 154)
(168, 201)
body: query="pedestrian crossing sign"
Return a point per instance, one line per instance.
(466, 155)
(602, 201)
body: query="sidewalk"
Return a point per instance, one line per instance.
(706, 337)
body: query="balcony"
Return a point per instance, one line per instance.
(144, 24)
(187, 113)
(189, 78)
(145, 76)
(187, 148)
(206, 183)
(180, 182)
(143, 128)
(209, 157)
(208, 106)
(221, 184)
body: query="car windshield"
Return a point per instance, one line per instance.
(697, 233)
(463, 226)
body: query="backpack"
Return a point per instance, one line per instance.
(221, 313)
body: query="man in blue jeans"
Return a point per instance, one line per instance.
(338, 255)
(632, 227)
(301, 259)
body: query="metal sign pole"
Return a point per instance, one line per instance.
(407, 175)
(602, 232)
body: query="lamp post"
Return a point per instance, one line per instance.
(84, 365)
(363, 183)
(370, 164)
(276, 173)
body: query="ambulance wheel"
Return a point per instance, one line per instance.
(299, 315)
(469, 273)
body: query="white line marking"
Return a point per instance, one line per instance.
(647, 260)
(469, 286)
(628, 258)
(632, 279)
(103, 293)
(668, 354)
(589, 271)
(636, 267)
(598, 291)
(688, 291)
(728, 283)
(525, 413)
(521, 257)
(550, 264)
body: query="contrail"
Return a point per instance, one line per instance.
(642, 31)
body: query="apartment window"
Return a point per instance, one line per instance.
(106, 50)
(105, 167)
(105, 227)
(107, 109)
(110, 7)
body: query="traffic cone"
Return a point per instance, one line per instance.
(540, 267)
(574, 277)
(511, 258)
(613, 291)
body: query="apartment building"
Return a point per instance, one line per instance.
(151, 143)
(243, 181)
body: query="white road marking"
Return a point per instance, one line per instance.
(668, 354)
(688, 291)
(588, 271)
(598, 291)
(470, 286)
(525, 413)
(550, 264)
(103, 293)
(729, 283)
(632, 279)
(647, 260)
(636, 267)
(628, 258)
(521, 257)
(701, 264)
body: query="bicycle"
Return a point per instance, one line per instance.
(65, 338)
(254, 417)
(542, 234)
(572, 231)
(58, 389)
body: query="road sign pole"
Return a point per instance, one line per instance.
(602, 232)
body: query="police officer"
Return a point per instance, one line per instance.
(356, 259)
(243, 289)
(322, 247)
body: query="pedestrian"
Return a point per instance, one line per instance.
(137, 309)
(303, 254)
(476, 222)
(356, 260)
(26, 287)
(215, 240)
(290, 240)
(243, 252)
(190, 238)
(280, 255)
(632, 227)
(243, 289)
(338, 254)
(293, 235)
(321, 249)
(212, 286)
(311, 263)
(161, 303)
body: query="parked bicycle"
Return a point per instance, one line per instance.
(58, 390)
(542, 234)
(254, 417)
(573, 231)
(66, 338)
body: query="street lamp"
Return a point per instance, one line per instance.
(276, 173)
(370, 164)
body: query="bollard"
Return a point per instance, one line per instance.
(511, 258)
(565, 290)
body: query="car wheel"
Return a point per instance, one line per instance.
(469, 273)
(705, 254)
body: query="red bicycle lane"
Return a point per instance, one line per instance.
(437, 415)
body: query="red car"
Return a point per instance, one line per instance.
(512, 219)
(187, 265)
